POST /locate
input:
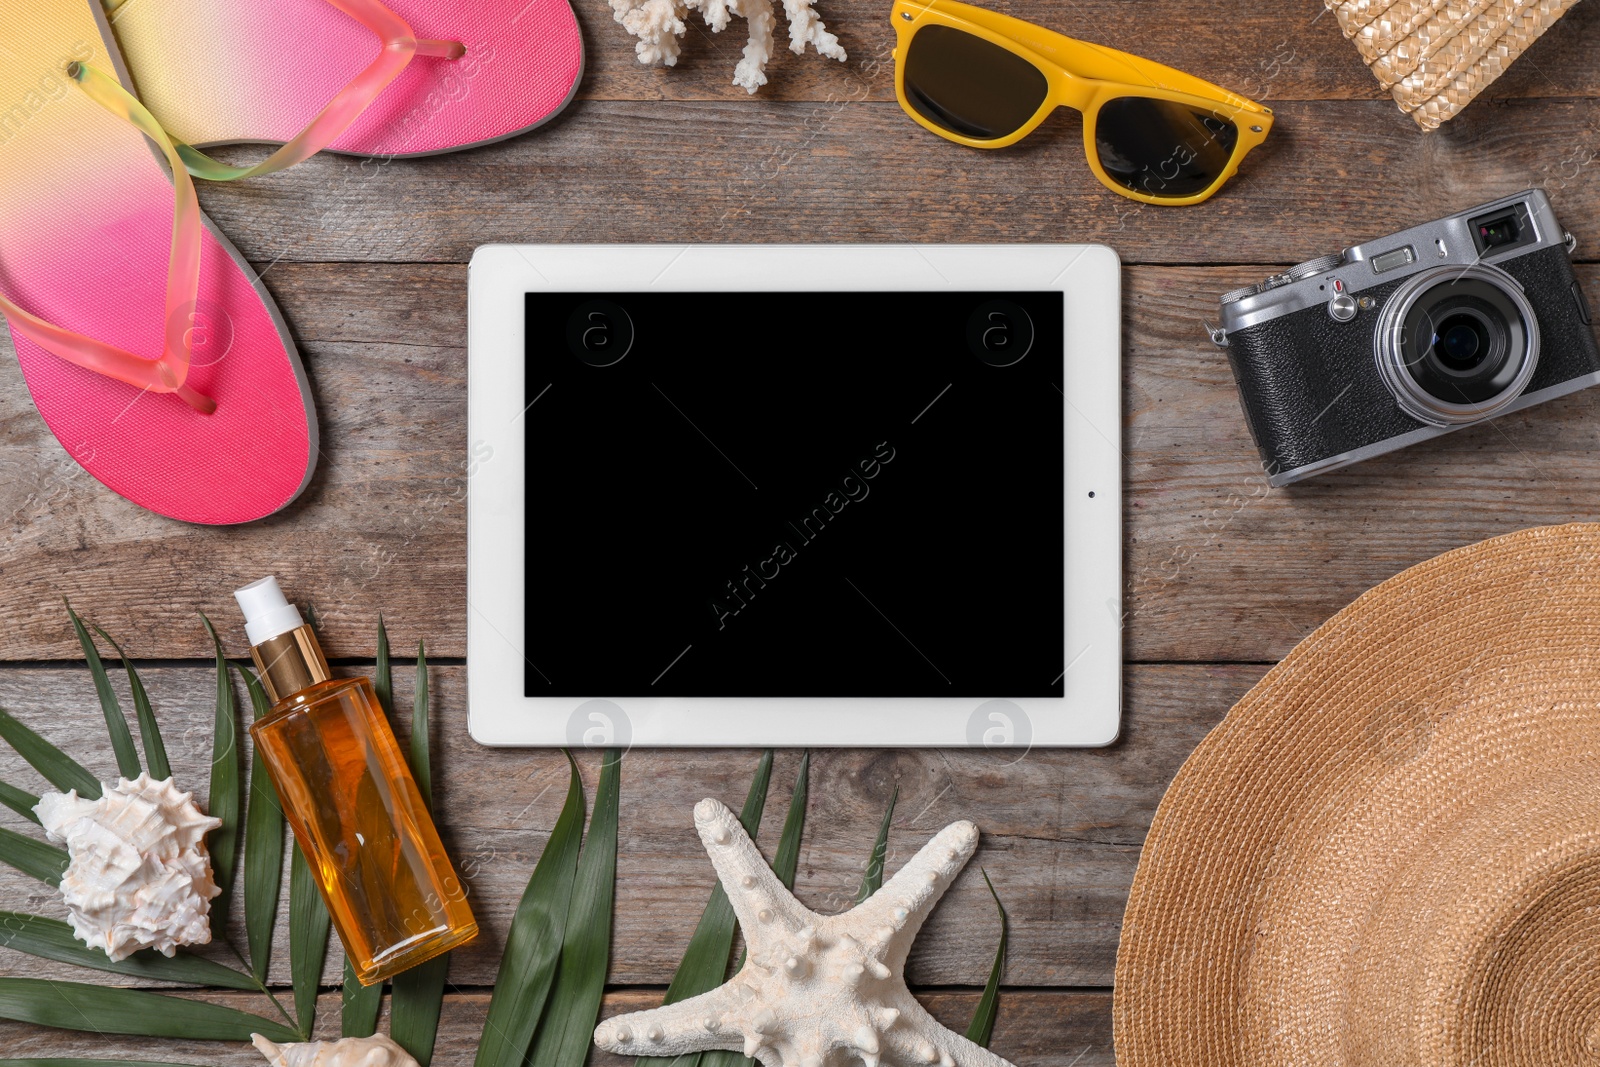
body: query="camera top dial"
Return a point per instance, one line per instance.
(1304, 270)
(1320, 265)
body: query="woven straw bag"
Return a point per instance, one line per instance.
(1434, 56)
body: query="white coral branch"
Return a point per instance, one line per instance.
(751, 72)
(806, 27)
(657, 23)
(660, 23)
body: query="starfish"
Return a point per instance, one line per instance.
(815, 990)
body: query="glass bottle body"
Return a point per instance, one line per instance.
(358, 816)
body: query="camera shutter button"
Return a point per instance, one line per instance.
(1342, 308)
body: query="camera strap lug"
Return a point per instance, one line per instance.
(1571, 242)
(1219, 336)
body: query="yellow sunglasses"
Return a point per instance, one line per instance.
(987, 80)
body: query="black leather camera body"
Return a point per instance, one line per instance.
(1408, 337)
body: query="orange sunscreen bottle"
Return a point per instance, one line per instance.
(348, 792)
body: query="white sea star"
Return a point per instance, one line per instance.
(816, 990)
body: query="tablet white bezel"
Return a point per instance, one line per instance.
(498, 407)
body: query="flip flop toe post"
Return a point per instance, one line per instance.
(223, 73)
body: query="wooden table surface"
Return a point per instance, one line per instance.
(1223, 575)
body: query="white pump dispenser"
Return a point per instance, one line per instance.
(267, 612)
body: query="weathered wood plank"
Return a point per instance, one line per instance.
(1279, 52)
(1217, 567)
(726, 171)
(1062, 828)
(1047, 1029)
(1220, 567)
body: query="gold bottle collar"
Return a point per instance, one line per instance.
(290, 662)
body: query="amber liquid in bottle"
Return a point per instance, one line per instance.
(360, 820)
(348, 793)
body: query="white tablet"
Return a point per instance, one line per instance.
(794, 495)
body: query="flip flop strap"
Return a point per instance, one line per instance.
(168, 372)
(400, 46)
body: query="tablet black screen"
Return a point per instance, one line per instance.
(795, 494)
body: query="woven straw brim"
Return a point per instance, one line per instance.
(1435, 56)
(1388, 853)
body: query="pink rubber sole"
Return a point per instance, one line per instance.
(223, 71)
(246, 460)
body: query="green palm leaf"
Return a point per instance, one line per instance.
(787, 858)
(358, 1004)
(382, 677)
(705, 961)
(263, 848)
(116, 722)
(58, 768)
(784, 863)
(308, 940)
(982, 1027)
(414, 1007)
(20, 801)
(563, 1040)
(872, 881)
(418, 995)
(533, 947)
(98, 1009)
(52, 939)
(224, 800)
(421, 768)
(155, 751)
(33, 858)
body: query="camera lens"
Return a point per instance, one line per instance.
(1458, 341)
(1456, 345)
(1460, 344)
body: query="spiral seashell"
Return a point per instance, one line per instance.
(375, 1051)
(139, 876)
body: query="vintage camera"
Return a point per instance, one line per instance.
(1401, 339)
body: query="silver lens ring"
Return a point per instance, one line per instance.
(1388, 346)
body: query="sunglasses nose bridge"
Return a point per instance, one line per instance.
(1066, 89)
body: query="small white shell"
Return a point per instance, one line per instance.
(139, 875)
(375, 1051)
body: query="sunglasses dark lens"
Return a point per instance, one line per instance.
(963, 84)
(1163, 148)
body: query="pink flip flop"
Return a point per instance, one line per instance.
(151, 349)
(363, 77)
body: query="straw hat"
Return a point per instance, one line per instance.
(1434, 56)
(1388, 853)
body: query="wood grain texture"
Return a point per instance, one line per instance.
(1062, 829)
(368, 262)
(727, 171)
(1218, 568)
(1043, 1028)
(1291, 51)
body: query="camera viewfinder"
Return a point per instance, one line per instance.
(1501, 230)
